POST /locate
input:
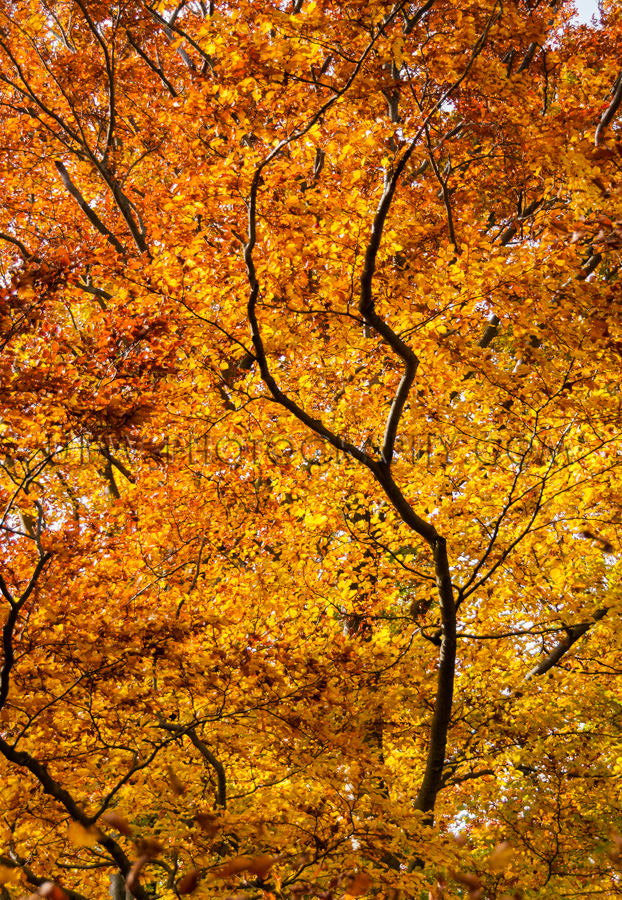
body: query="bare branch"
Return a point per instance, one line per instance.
(154, 68)
(435, 762)
(21, 247)
(86, 209)
(9, 627)
(610, 112)
(572, 636)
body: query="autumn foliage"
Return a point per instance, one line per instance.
(311, 339)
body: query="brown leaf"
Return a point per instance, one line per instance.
(117, 822)
(233, 867)
(133, 874)
(467, 879)
(260, 865)
(257, 865)
(177, 786)
(601, 153)
(598, 181)
(188, 882)
(149, 847)
(52, 891)
(500, 857)
(616, 851)
(208, 822)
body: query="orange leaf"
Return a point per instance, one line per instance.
(188, 882)
(358, 885)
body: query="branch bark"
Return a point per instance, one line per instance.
(9, 626)
(559, 651)
(86, 209)
(51, 787)
(609, 113)
(435, 763)
(154, 68)
(381, 469)
(206, 753)
(13, 861)
(17, 243)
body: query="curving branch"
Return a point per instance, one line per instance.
(15, 607)
(206, 753)
(17, 243)
(443, 704)
(277, 394)
(609, 113)
(221, 778)
(25, 760)
(381, 469)
(366, 300)
(154, 68)
(86, 209)
(51, 787)
(573, 633)
(13, 861)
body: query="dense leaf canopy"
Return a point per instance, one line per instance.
(310, 473)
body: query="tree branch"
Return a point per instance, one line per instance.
(105, 452)
(435, 763)
(9, 627)
(108, 59)
(21, 247)
(572, 636)
(435, 757)
(158, 71)
(366, 301)
(86, 209)
(206, 753)
(610, 112)
(221, 778)
(51, 787)
(13, 861)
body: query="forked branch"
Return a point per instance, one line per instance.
(381, 469)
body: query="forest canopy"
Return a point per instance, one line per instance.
(311, 338)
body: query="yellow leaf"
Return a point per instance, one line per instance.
(8, 874)
(81, 836)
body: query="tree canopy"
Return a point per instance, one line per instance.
(310, 461)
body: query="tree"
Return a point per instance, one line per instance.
(311, 474)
